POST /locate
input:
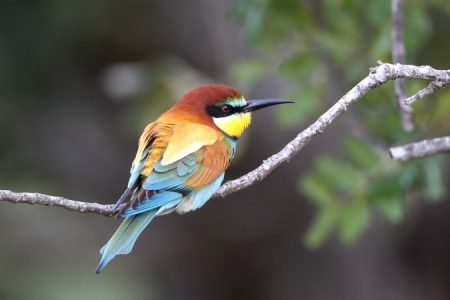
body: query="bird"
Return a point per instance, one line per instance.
(181, 160)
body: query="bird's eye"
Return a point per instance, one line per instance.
(225, 109)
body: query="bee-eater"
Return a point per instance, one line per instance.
(181, 160)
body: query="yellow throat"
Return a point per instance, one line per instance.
(235, 124)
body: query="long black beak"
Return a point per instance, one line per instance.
(253, 105)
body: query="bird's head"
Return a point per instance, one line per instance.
(223, 106)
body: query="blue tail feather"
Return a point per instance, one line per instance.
(124, 238)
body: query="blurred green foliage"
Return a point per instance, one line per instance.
(323, 48)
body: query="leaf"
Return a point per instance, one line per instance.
(360, 154)
(384, 187)
(391, 207)
(353, 220)
(321, 227)
(409, 176)
(316, 190)
(338, 173)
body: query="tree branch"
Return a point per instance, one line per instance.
(398, 56)
(420, 149)
(377, 76)
(428, 90)
(47, 200)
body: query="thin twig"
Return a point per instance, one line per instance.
(398, 56)
(420, 149)
(428, 90)
(377, 76)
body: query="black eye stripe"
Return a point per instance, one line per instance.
(220, 111)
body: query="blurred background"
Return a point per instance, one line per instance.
(79, 80)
